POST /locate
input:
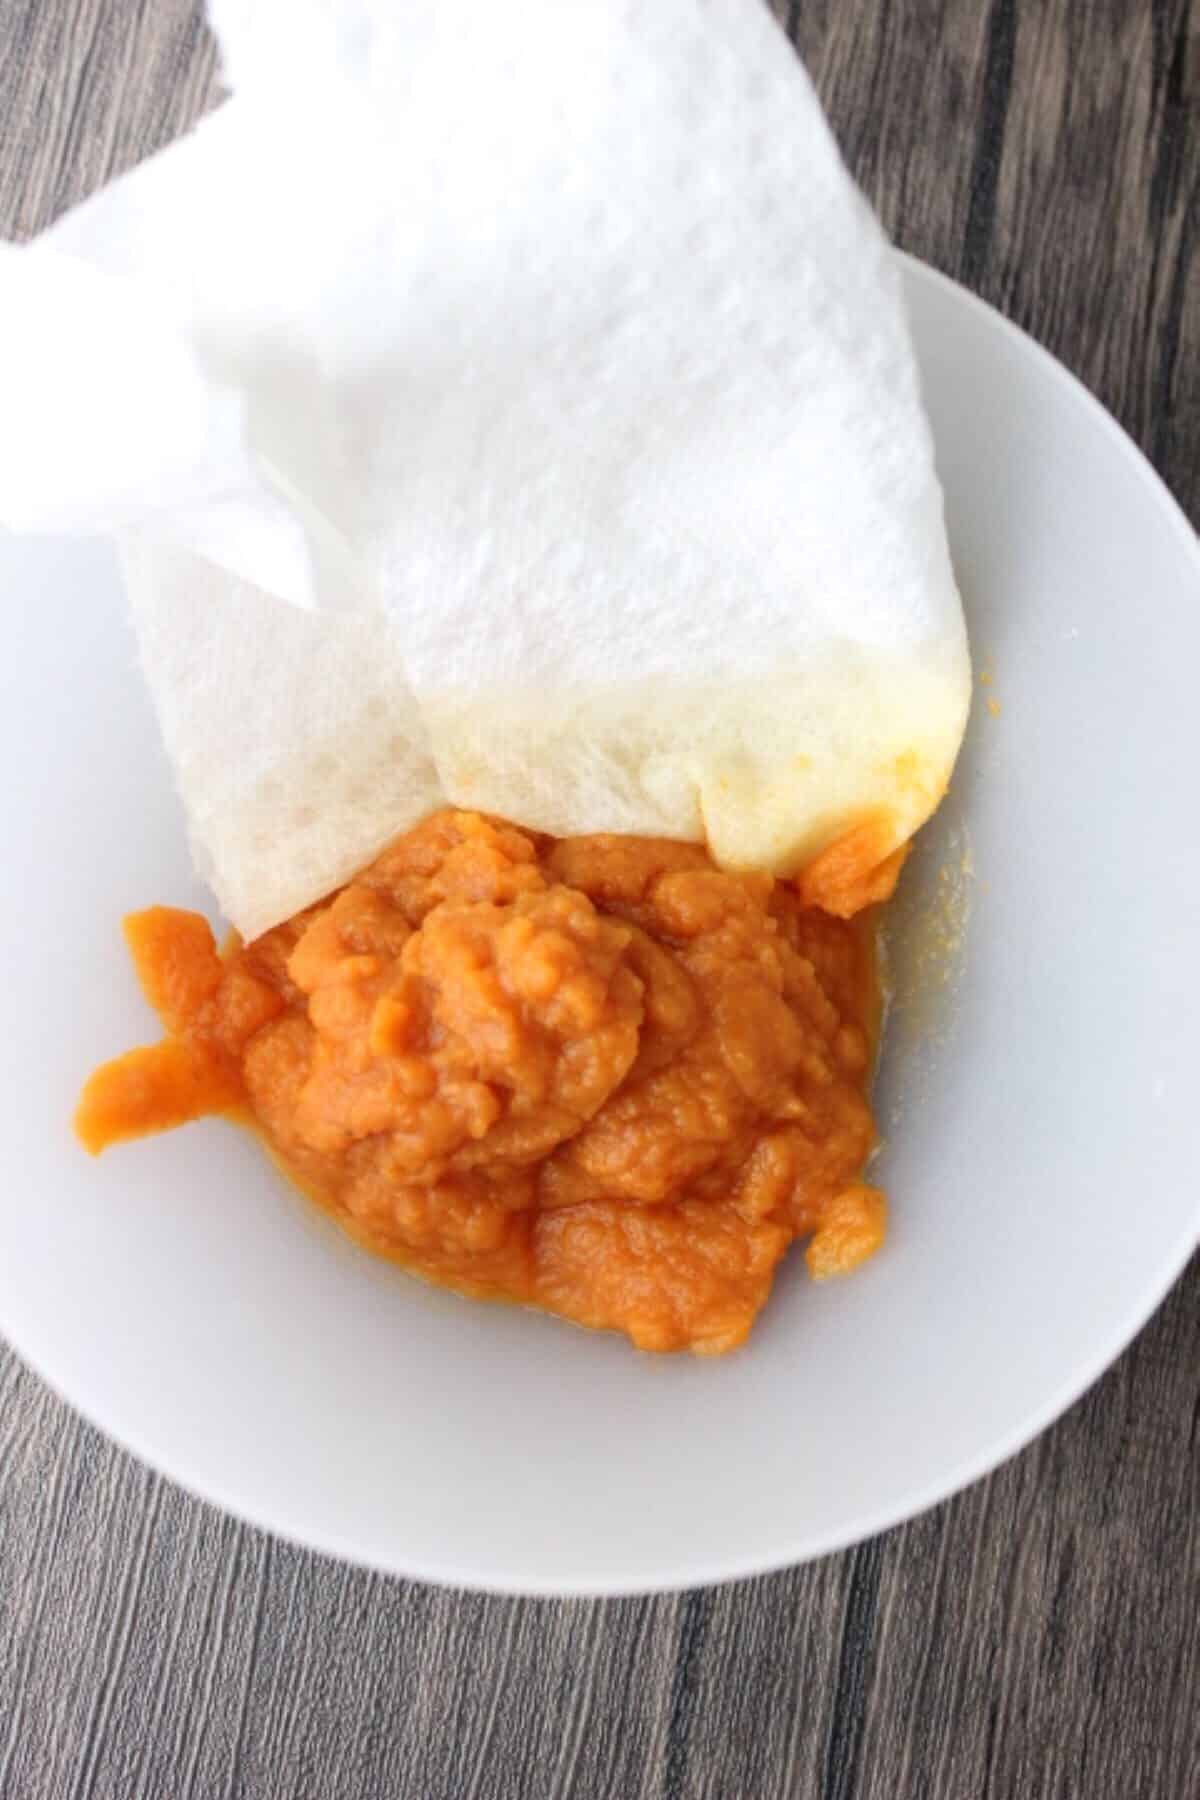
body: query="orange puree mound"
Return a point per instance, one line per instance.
(598, 1076)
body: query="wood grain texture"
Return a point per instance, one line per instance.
(1037, 1636)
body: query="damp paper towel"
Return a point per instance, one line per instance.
(507, 405)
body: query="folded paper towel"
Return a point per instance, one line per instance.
(547, 361)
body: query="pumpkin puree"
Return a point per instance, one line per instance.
(596, 1075)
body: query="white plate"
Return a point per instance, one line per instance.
(1042, 1115)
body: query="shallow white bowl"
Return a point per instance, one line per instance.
(1041, 1110)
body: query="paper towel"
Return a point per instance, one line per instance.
(550, 353)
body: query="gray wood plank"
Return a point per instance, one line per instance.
(1038, 1635)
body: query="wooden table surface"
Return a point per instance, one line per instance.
(1038, 1635)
